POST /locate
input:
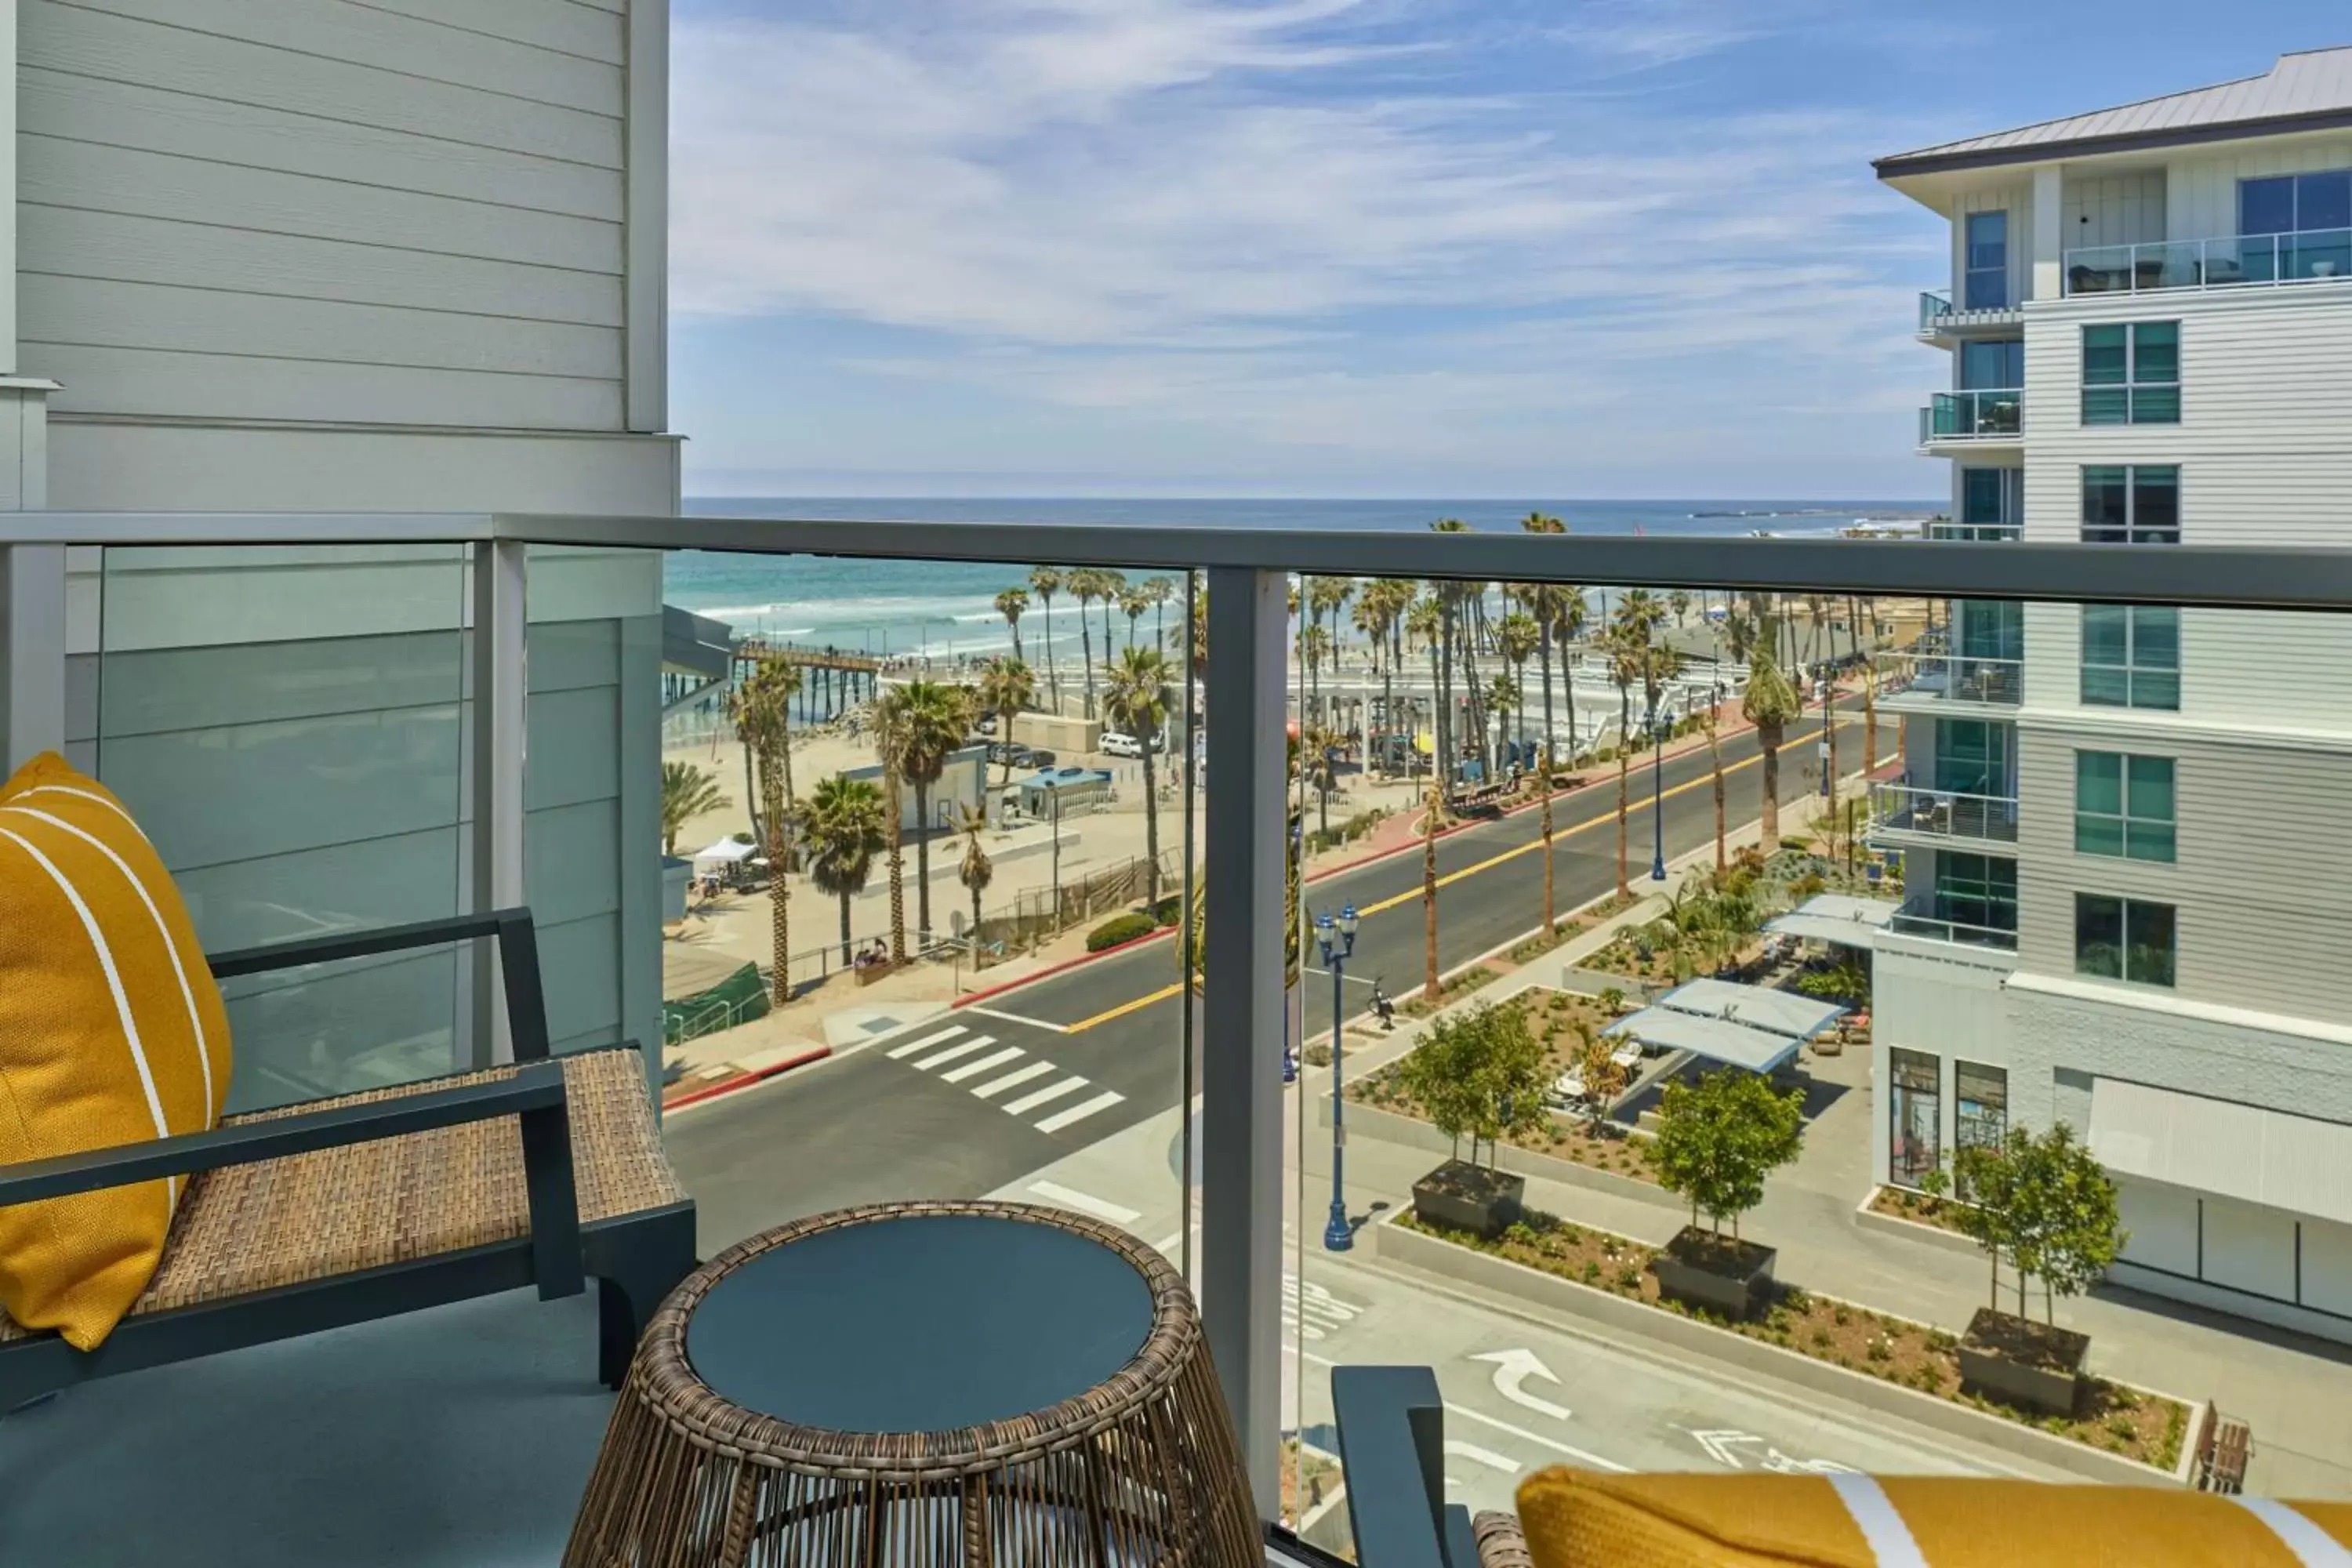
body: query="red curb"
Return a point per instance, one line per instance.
(745, 1080)
(968, 998)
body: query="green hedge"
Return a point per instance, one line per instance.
(1119, 928)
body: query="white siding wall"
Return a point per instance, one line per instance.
(2114, 209)
(2202, 191)
(1930, 997)
(2016, 198)
(409, 212)
(2263, 878)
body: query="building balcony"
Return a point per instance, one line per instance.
(328, 731)
(2313, 256)
(1907, 815)
(1976, 532)
(1972, 421)
(1934, 683)
(1946, 326)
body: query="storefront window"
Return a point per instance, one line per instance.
(1981, 1097)
(1915, 1105)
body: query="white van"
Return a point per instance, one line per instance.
(1115, 744)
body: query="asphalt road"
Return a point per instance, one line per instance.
(973, 1100)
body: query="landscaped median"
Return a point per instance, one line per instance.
(1910, 1369)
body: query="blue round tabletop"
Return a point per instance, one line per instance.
(920, 1323)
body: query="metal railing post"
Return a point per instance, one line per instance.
(32, 653)
(500, 638)
(1242, 1001)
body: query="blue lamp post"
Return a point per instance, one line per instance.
(1337, 938)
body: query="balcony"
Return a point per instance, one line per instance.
(1972, 420)
(2313, 256)
(1943, 325)
(1907, 814)
(337, 740)
(1930, 683)
(1976, 532)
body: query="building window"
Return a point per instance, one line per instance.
(2299, 225)
(1984, 285)
(2135, 505)
(2131, 655)
(1993, 504)
(2122, 805)
(2124, 939)
(1997, 365)
(2131, 373)
(1977, 895)
(1981, 1097)
(1972, 758)
(1915, 1108)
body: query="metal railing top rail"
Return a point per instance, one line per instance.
(2249, 577)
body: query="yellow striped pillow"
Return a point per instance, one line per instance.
(112, 1031)
(1580, 1518)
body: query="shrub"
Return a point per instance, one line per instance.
(1592, 1271)
(1629, 1278)
(1821, 1339)
(1119, 928)
(1842, 1316)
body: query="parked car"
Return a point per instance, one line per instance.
(1011, 752)
(985, 724)
(1115, 744)
(1041, 758)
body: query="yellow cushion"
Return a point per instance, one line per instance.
(1578, 1518)
(112, 1031)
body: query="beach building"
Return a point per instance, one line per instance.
(313, 259)
(2149, 331)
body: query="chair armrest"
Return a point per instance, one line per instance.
(1392, 1424)
(534, 1094)
(518, 943)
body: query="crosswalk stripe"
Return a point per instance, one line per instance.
(960, 1048)
(997, 1085)
(1102, 1101)
(1031, 1101)
(972, 1069)
(901, 1052)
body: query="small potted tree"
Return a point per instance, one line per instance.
(1718, 1140)
(2046, 1204)
(1478, 1076)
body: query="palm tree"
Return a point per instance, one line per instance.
(1114, 588)
(1714, 722)
(1517, 638)
(1426, 620)
(1771, 704)
(1861, 613)
(763, 724)
(1314, 647)
(1006, 687)
(1679, 602)
(1087, 585)
(1160, 590)
(1045, 582)
(1010, 603)
(845, 832)
(930, 724)
(687, 792)
(1316, 747)
(1139, 700)
(889, 741)
(1625, 663)
(977, 870)
(1503, 695)
(1133, 603)
(1429, 888)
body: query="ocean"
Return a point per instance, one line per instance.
(945, 609)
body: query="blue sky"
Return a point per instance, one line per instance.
(1405, 247)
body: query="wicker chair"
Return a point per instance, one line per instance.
(369, 1205)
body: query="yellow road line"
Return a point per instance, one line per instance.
(1124, 1008)
(1414, 895)
(1607, 819)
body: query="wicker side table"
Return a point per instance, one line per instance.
(920, 1386)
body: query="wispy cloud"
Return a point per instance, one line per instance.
(1322, 222)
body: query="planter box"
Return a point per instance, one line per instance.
(2022, 1363)
(1463, 1196)
(1724, 1275)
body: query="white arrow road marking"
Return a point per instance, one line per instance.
(1513, 1368)
(1580, 1455)
(1477, 1455)
(1722, 1446)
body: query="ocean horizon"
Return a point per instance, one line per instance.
(945, 609)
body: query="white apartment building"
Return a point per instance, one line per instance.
(313, 256)
(2126, 831)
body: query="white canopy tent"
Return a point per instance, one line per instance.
(1750, 1026)
(727, 851)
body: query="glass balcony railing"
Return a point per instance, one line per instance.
(1553, 777)
(1933, 308)
(1976, 532)
(1997, 414)
(2308, 256)
(1954, 678)
(1943, 814)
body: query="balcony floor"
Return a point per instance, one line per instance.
(455, 1439)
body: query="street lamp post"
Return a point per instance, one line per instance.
(1658, 798)
(1337, 938)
